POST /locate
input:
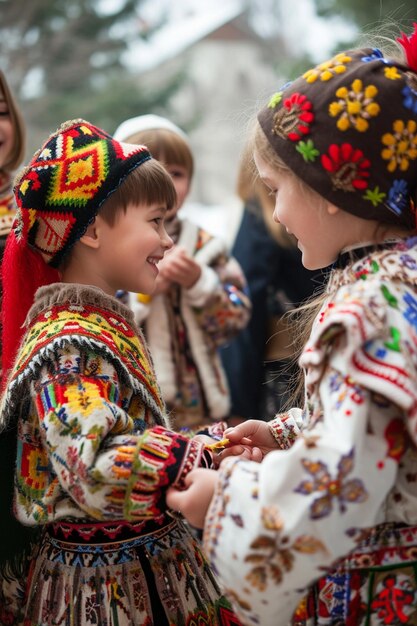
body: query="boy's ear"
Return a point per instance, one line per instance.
(90, 237)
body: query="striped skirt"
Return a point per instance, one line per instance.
(148, 574)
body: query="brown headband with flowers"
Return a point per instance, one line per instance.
(348, 128)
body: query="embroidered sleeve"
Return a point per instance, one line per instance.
(220, 300)
(98, 445)
(286, 427)
(272, 527)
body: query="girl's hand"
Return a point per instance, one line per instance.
(194, 501)
(251, 436)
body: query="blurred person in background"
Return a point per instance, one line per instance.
(199, 302)
(260, 362)
(12, 147)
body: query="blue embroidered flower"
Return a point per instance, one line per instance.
(408, 261)
(398, 196)
(339, 488)
(410, 98)
(375, 56)
(411, 313)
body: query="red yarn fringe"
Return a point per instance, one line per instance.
(23, 272)
(409, 45)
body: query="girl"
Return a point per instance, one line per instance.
(260, 361)
(90, 451)
(199, 301)
(324, 530)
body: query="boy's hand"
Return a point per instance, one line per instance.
(194, 501)
(179, 267)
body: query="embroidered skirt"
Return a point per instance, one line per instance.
(375, 586)
(113, 575)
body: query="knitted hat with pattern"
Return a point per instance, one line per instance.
(58, 194)
(348, 128)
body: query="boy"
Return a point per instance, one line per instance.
(199, 302)
(92, 453)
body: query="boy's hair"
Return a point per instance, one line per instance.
(166, 146)
(19, 140)
(146, 185)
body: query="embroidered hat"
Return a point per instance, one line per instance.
(61, 190)
(58, 194)
(348, 128)
(134, 125)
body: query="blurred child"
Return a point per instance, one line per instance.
(199, 301)
(324, 530)
(261, 361)
(12, 147)
(95, 453)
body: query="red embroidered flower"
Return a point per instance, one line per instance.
(348, 166)
(294, 118)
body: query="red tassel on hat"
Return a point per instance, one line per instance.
(409, 45)
(23, 272)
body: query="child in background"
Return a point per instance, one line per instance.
(324, 530)
(95, 453)
(199, 302)
(12, 147)
(261, 360)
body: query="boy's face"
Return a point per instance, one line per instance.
(181, 180)
(130, 249)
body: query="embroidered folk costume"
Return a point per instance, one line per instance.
(95, 452)
(324, 530)
(185, 327)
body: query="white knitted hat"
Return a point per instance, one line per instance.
(146, 122)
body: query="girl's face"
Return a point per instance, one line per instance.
(6, 131)
(322, 231)
(181, 180)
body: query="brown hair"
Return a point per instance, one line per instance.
(147, 184)
(165, 146)
(19, 143)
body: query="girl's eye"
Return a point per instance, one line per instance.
(4, 113)
(158, 220)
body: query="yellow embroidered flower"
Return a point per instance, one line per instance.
(83, 398)
(391, 73)
(355, 106)
(401, 145)
(326, 71)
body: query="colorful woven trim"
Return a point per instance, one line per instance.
(91, 326)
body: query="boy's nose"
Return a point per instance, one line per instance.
(167, 242)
